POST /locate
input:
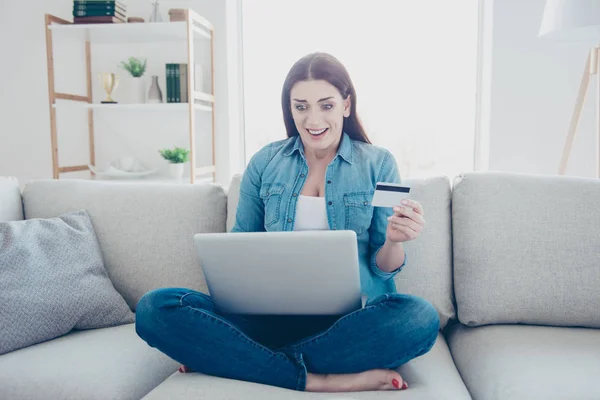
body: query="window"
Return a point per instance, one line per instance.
(413, 64)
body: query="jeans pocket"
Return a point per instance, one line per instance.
(359, 211)
(271, 194)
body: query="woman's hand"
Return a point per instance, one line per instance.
(406, 223)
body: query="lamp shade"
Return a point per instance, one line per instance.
(571, 20)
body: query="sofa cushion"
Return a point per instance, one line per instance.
(504, 362)
(52, 280)
(430, 376)
(428, 271)
(526, 249)
(11, 206)
(110, 363)
(145, 229)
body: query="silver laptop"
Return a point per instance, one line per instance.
(275, 273)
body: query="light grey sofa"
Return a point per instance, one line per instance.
(511, 263)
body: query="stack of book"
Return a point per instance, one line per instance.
(177, 83)
(98, 12)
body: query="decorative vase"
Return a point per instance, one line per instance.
(155, 94)
(138, 90)
(155, 16)
(176, 170)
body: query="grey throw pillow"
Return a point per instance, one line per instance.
(53, 280)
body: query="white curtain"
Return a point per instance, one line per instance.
(413, 63)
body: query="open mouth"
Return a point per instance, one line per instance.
(318, 132)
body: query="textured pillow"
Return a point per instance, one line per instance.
(52, 280)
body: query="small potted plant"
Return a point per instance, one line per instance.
(176, 157)
(136, 67)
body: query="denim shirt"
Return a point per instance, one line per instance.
(276, 174)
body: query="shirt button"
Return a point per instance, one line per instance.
(295, 194)
(366, 203)
(289, 220)
(302, 175)
(329, 182)
(330, 203)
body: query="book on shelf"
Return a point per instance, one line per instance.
(177, 82)
(103, 19)
(99, 13)
(99, 3)
(103, 11)
(96, 11)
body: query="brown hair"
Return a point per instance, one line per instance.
(322, 66)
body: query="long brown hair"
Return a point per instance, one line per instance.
(322, 66)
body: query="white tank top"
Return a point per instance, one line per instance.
(311, 214)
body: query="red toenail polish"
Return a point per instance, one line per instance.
(405, 385)
(396, 384)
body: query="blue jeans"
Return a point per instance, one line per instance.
(184, 324)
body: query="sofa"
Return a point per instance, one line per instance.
(511, 262)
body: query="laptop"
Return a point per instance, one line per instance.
(281, 273)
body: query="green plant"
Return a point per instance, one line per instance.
(177, 155)
(135, 66)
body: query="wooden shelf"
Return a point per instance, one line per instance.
(186, 31)
(205, 170)
(135, 107)
(204, 97)
(145, 32)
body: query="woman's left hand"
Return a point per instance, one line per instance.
(407, 222)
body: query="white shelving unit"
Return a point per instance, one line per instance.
(140, 107)
(195, 27)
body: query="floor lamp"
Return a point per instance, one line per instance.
(577, 20)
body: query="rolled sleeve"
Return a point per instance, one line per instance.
(383, 274)
(377, 232)
(250, 209)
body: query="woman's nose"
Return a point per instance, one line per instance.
(313, 119)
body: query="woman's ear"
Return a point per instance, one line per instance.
(347, 107)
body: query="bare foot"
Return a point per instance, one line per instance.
(375, 379)
(184, 369)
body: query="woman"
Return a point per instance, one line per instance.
(321, 177)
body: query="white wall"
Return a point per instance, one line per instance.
(24, 113)
(534, 85)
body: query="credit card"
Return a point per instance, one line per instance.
(389, 194)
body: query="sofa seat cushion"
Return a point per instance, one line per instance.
(109, 363)
(504, 362)
(11, 204)
(431, 376)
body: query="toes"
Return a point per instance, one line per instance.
(395, 380)
(183, 369)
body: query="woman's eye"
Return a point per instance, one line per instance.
(300, 107)
(327, 106)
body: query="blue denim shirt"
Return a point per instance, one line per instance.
(276, 174)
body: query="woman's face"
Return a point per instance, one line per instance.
(319, 110)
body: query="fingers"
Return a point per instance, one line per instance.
(410, 213)
(412, 204)
(405, 222)
(410, 233)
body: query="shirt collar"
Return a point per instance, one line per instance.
(344, 150)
